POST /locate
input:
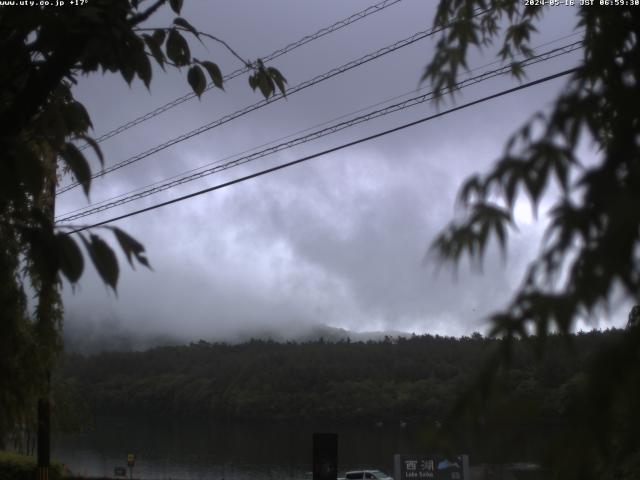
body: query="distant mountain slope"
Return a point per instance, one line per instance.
(262, 379)
(89, 336)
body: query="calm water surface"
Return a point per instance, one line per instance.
(167, 448)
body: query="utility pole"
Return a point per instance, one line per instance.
(46, 325)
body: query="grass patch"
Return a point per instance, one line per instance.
(14, 466)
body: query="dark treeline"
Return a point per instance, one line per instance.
(417, 377)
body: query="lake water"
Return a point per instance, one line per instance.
(167, 448)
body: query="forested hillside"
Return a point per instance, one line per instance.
(421, 376)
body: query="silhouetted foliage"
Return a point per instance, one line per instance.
(634, 317)
(22, 467)
(42, 130)
(592, 243)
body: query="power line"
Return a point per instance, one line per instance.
(291, 91)
(308, 129)
(417, 100)
(325, 152)
(292, 46)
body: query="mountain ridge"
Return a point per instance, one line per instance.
(89, 337)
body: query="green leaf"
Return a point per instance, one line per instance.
(265, 84)
(562, 174)
(104, 260)
(278, 78)
(181, 22)
(173, 48)
(95, 146)
(535, 182)
(517, 71)
(177, 48)
(159, 36)
(131, 247)
(127, 71)
(511, 189)
(471, 190)
(154, 48)
(142, 65)
(214, 73)
(70, 258)
(76, 117)
(253, 81)
(501, 235)
(78, 165)
(197, 80)
(176, 5)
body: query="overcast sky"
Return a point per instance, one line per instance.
(339, 240)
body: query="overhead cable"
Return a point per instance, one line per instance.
(322, 153)
(307, 129)
(417, 100)
(292, 46)
(291, 91)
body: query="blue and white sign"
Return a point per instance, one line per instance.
(430, 467)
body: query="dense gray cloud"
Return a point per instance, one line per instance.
(339, 240)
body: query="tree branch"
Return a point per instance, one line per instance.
(227, 46)
(246, 63)
(142, 16)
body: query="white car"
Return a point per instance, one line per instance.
(367, 475)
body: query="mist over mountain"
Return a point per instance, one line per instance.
(89, 336)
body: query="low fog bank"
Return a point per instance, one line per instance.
(89, 336)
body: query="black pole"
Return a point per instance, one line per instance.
(325, 456)
(47, 334)
(44, 442)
